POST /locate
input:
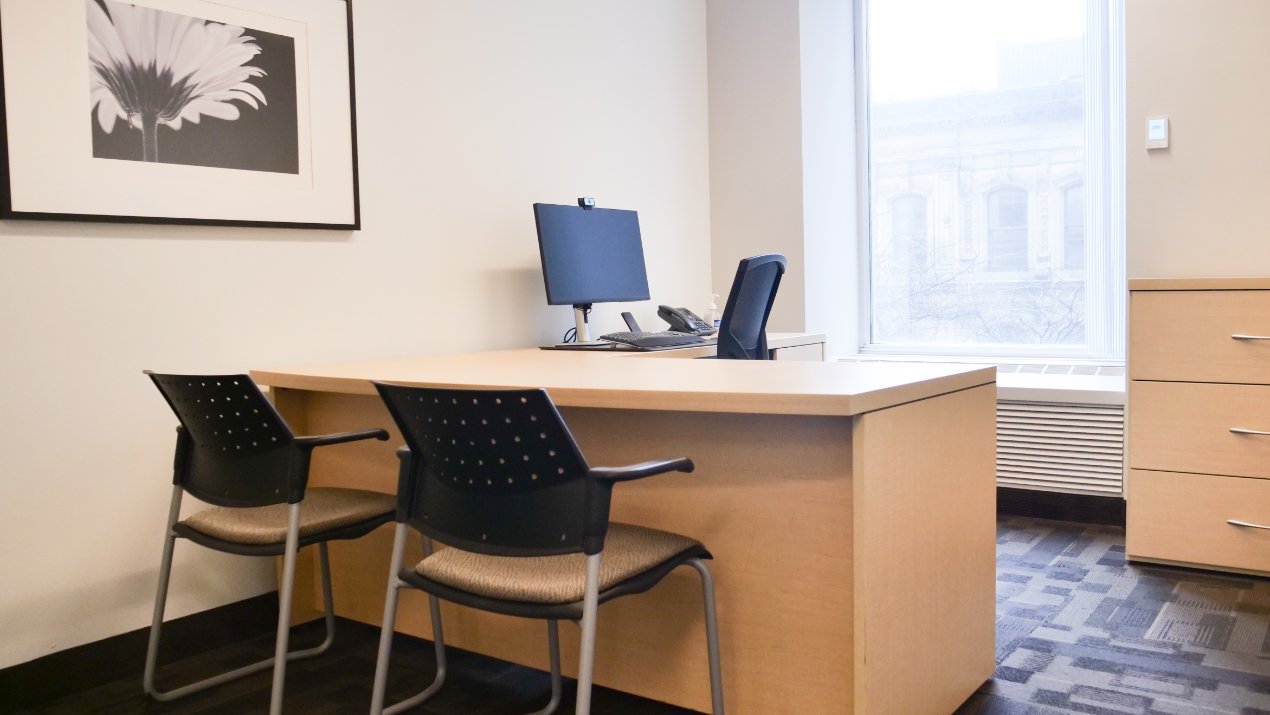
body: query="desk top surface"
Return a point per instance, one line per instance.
(586, 379)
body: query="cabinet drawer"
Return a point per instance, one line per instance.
(1182, 517)
(1185, 427)
(814, 352)
(1186, 335)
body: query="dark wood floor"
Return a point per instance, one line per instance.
(340, 681)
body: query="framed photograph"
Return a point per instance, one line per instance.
(210, 112)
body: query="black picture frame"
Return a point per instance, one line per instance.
(320, 189)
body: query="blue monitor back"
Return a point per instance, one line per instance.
(590, 255)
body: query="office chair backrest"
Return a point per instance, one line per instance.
(743, 330)
(233, 448)
(493, 471)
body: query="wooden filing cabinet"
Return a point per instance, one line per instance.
(1199, 423)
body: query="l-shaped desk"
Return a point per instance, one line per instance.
(850, 508)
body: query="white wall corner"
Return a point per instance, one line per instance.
(830, 208)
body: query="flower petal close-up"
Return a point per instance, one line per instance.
(150, 67)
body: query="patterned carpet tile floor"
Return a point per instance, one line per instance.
(1081, 630)
(1078, 631)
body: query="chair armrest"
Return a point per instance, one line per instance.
(298, 476)
(405, 482)
(340, 438)
(641, 470)
(600, 491)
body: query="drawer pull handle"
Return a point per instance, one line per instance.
(1241, 430)
(1238, 336)
(1236, 522)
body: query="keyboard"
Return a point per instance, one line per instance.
(665, 339)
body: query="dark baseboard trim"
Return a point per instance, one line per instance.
(94, 664)
(1084, 508)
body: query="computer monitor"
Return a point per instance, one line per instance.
(590, 255)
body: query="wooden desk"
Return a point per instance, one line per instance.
(850, 508)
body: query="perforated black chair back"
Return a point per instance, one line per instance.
(234, 449)
(495, 472)
(743, 330)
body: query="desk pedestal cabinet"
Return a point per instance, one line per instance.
(1199, 423)
(854, 547)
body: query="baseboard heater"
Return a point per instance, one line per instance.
(1070, 448)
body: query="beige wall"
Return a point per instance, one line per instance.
(782, 155)
(1197, 209)
(756, 188)
(468, 112)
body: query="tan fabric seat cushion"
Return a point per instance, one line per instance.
(323, 509)
(628, 551)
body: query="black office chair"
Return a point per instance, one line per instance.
(743, 330)
(234, 451)
(497, 476)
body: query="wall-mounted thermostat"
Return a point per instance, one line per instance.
(1157, 132)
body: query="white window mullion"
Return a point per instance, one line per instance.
(1104, 204)
(864, 214)
(1115, 264)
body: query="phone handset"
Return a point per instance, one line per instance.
(685, 321)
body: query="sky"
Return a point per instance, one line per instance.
(930, 48)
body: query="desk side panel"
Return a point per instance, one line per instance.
(771, 499)
(925, 537)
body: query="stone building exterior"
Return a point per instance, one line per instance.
(978, 221)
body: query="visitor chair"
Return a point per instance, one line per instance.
(743, 329)
(234, 451)
(497, 476)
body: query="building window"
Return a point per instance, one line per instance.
(990, 147)
(908, 231)
(1074, 227)
(1007, 230)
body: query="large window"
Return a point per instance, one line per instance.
(994, 136)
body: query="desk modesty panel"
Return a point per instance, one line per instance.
(850, 508)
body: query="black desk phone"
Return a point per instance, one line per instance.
(683, 320)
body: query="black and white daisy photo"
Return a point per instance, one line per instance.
(176, 89)
(224, 112)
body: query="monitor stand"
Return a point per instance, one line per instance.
(582, 337)
(582, 334)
